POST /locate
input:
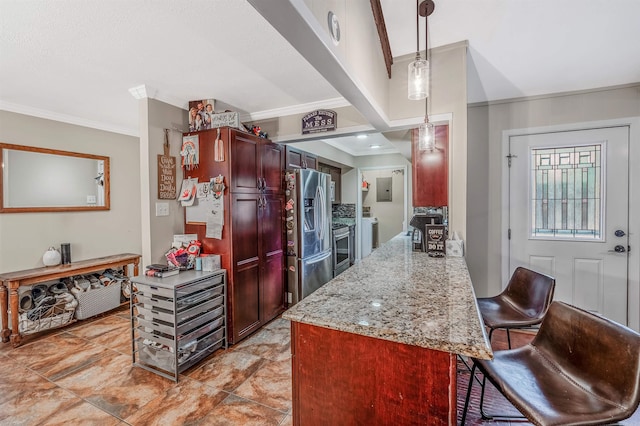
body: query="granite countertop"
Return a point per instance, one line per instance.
(403, 296)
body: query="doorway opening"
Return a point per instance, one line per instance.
(382, 203)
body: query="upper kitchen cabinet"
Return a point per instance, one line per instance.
(336, 180)
(431, 170)
(257, 163)
(298, 159)
(272, 166)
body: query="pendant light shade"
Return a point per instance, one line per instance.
(418, 79)
(426, 137)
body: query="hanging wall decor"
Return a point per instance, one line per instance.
(190, 152)
(166, 172)
(218, 148)
(322, 120)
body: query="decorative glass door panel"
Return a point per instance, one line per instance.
(566, 192)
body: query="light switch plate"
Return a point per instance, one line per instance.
(91, 199)
(162, 209)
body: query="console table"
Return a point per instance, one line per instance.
(11, 281)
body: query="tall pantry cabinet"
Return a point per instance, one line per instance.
(252, 244)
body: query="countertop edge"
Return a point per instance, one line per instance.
(455, 348)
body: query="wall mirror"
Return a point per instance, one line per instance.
(48, 180)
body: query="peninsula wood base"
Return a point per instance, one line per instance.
(344, 378)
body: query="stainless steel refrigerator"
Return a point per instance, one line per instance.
(308, 225)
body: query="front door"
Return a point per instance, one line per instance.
(569, 213)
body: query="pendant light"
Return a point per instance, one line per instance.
(418, 72)
(426, 135)
(426, 131)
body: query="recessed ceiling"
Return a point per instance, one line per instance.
(76, 61)
(363, 144)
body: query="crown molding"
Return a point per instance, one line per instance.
(298, 109)
(64, 118)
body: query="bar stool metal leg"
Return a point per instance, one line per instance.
(483, 415)
(466, 401)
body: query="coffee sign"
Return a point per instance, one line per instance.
(322, 120)
(436, 239)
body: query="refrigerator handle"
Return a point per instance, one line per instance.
(316, 219)
(323, 212)
(320, 259)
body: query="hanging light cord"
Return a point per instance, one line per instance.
(426, 58)
(426, 34)
(417, 29)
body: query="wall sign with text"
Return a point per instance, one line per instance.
(436, 239)
(322, 120)
(166, 177)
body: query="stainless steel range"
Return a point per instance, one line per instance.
(341, 248)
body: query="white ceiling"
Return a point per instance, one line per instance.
(76, 60)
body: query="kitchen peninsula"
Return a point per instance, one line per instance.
(378, 343)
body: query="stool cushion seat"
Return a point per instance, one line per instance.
(522, 303)
(536, 387)
(580, 369)
(499, 312)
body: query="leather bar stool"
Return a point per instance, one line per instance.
(522, 304)
(580, 369)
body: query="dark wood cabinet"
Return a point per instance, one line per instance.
(431, 170)
(245, 292)
(273, 280)
(257, 164)
(336, 179)
(244, 173)
(299, 159)
(272, 166)
(252, 243)
(311, 161)
(349, 379)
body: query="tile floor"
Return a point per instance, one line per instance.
(82, 375)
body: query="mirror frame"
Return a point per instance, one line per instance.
(107, 186)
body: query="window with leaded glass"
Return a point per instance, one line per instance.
(566, 192)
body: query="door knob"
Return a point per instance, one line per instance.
(619, 249)
(619, 233)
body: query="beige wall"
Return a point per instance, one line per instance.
(157, 232)
(24, 237)
(486, 173)
(389, 213)
(374, 162)
(359, 49)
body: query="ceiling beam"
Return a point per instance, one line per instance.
(297, 24)
(378, 18)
